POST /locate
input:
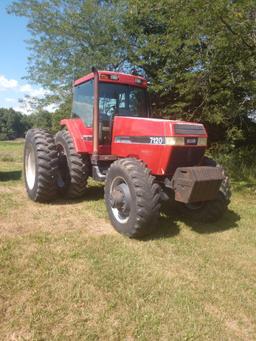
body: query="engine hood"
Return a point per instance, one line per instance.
(159, 142)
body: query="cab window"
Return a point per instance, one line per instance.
(122, 100)
(83, 102)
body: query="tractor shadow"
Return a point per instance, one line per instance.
(166, 228)
(10, 175)
(93, 193)
(170, 218)
(229, 221)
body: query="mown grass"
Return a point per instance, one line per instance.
(66, 275)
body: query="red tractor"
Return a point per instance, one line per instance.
(142, 160)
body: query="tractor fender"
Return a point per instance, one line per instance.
(81, 135)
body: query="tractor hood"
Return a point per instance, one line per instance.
(158, 142)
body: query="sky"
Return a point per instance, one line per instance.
(13, 61)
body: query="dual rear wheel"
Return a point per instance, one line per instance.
(52, 166)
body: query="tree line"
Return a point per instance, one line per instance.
(14, 124)
(198, 55)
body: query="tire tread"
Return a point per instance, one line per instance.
(78, 167)
(147, 196)
(46, 154)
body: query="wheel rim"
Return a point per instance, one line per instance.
(120, 200)
(30, 168)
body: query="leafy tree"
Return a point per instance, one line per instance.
(41, 119)
(69, 37)
(64, 111)
(199, 55)
(12, 124)
(200, 58)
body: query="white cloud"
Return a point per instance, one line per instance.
(10, 100)
(26, 107)
(22, 109)
(51, 107)
(27, 89)
(19, 96)
(7, 84)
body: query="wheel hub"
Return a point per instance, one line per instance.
(117, 199)
(120, 200)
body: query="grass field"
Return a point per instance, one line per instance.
(65, 274)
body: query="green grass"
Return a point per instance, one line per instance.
(65, 274)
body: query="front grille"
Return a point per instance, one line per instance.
(189, 129)
(184, 157)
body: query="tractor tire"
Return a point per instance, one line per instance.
(132, 198)
(74, 168)
(213, 210)
(40, 165)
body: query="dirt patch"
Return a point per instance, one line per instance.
(34, 217)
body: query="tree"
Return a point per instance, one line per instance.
(199, 55)
(41, 119)
(69, 37)
(64, 111)
(200, 58)
(12, 124)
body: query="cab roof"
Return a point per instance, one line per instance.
(115, 77)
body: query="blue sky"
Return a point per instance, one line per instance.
(13, 60)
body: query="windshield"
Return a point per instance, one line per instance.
(122, 100)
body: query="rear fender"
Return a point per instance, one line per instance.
(81, 135)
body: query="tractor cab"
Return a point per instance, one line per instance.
(118, 95)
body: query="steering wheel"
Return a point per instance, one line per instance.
(110, 112)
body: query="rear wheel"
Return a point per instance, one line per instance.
(74, 168)
(40, 165)
(132, 198)
(213, 210)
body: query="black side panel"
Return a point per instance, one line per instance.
(189, 129)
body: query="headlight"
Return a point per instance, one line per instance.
(185, 141)
(174, 141)
(202, 141)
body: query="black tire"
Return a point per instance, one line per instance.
(74, 168)
(213, 210)
(136, 212)
(40, 165)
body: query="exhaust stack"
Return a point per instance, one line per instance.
(95, 117)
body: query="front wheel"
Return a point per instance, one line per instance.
(132, 198)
